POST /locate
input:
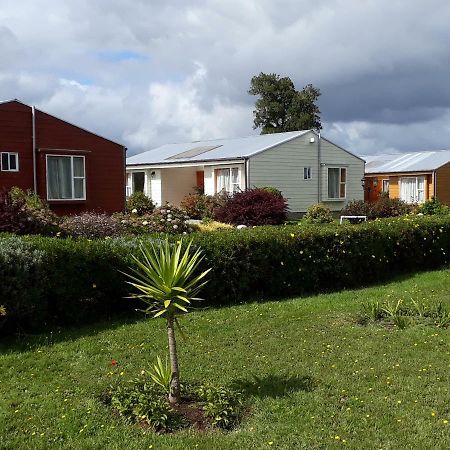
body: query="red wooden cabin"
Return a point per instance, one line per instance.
(73, 169)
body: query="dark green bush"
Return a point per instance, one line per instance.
(70, 281)
(138, 203)
(433, 207)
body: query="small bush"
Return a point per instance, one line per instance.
(138, 203)
(18, 214)
(389, 207)
(382, 208)
(169, 219)
(357, 208)
(318, 213)
(253, 207)
(201, 206)
(273, 190)
(143, 401)
(433, 207)
(211, 225)
(91, 226)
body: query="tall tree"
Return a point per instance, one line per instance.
(280, 107)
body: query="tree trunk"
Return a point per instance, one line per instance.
(174, 394)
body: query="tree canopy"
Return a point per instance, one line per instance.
(280, 107)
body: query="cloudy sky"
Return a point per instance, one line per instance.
(147, 72)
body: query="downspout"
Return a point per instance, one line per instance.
(319, 174)
(125, 177)
(434, 184)
(247, 173)
(33, 131)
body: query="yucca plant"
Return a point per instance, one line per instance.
(165, 278)
(161, 374)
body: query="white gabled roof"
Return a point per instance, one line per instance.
(212, 150)
(407, 162)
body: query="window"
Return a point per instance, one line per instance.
(10, 162)
(412, 189)
(307, 173)
(227, 180)
(66, 178)
(337, 182)
(385, 186)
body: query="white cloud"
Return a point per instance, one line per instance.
(382, 66)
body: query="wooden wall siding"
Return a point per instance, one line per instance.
(105, 180)
(282, 167)
(443, 184)
(16, 136)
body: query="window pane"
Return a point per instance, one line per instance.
(59, 177)
(235, 175)
(333, 183)
(5, 161)
(223, 180)
(408, 190)
(343, 175)
(78, 167)
(13, 161)
(342, 191)
(305, 173)
(78, 186)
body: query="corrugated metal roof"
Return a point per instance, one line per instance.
(221, 149)
(407, 162)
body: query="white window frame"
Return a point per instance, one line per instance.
(308, 172)
(417, 190)
(73, 199)
(385, 182)
(338, 199)
(16, 154)
(230, 189)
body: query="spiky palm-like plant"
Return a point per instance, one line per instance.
(165, 279)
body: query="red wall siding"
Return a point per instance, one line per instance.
(16, 136)
(105, 173)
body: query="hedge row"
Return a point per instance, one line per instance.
(50, 281)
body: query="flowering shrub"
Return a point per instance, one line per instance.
(253, 207)
(201, 206)
(319, 213)
(169, 219)
(138, 203)
(20, 213)
(90, 225)
(211, 225)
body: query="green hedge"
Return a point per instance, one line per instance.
(50, 281)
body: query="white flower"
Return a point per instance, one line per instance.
(169, 220)
(169, 216)
(134, 211)
(144, 222)
(175, 227)
(168, 211)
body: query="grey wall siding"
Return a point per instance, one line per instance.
(282, 167)
(333, 156)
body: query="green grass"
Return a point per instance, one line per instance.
(324, 381)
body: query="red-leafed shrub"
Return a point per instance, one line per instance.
(253, 207)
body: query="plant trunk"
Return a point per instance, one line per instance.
(174, 394)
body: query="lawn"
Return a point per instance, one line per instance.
(324, 381)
